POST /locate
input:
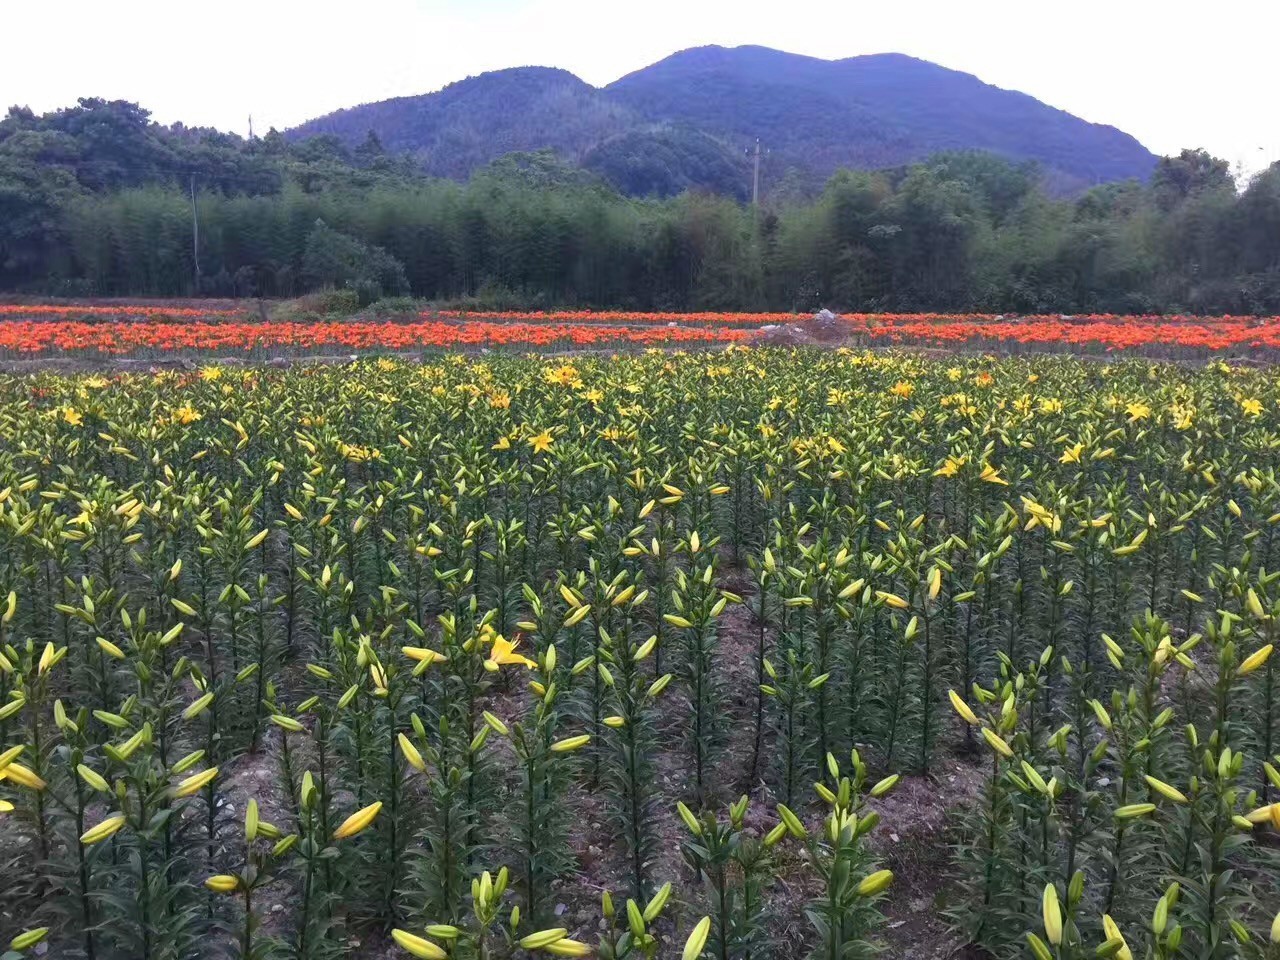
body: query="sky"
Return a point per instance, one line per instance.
(1174, 74)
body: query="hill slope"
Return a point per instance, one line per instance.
(477, 120)
(685, 121)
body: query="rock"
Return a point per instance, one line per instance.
(826, 325)
(825, 317)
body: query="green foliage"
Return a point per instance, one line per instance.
(97, 200)
(734, 867)
(408, 587)
(333, 259)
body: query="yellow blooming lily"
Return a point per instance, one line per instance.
(542, 442)
(991, 475)
(186, 415)
(950, 468)
(503, 653)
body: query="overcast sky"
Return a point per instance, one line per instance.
(1173, 73)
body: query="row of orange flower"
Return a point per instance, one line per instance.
(162, 311)
(872, 321)
(33, 338)
(1111, 333)
(705, 318)
(130, 330)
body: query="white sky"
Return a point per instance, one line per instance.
(1173, 73)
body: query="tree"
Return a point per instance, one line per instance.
(370, 151)
(336, 260)
(1191, 172)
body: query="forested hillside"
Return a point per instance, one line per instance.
(477, 120)
(686, 121)
(97, 200)
(871, 112)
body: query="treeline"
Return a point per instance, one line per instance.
(88, 213)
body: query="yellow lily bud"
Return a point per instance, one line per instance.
(1051, 913)
(103, 830)
(874, 883)
(697, 940)
(357, 822)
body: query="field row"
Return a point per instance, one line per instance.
(140, 338)
(135, 331)
(500, 657)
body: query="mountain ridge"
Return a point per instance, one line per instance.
(684, 121)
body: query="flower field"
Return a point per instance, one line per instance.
(727, 654)
(140, 331)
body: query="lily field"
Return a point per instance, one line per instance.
(709, 651)
(219, 328)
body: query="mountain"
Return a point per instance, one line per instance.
(474, 121)
(686, 121)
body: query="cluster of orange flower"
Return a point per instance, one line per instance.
(628, 317)
(141, 329)
(1105, 331)
(119, 339)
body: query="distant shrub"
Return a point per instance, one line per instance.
(328, 303)
(338, 260)
(496, 296)
(391, 306)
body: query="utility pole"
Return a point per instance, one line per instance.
(755, 177)
(195, 234)
(251, 126)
